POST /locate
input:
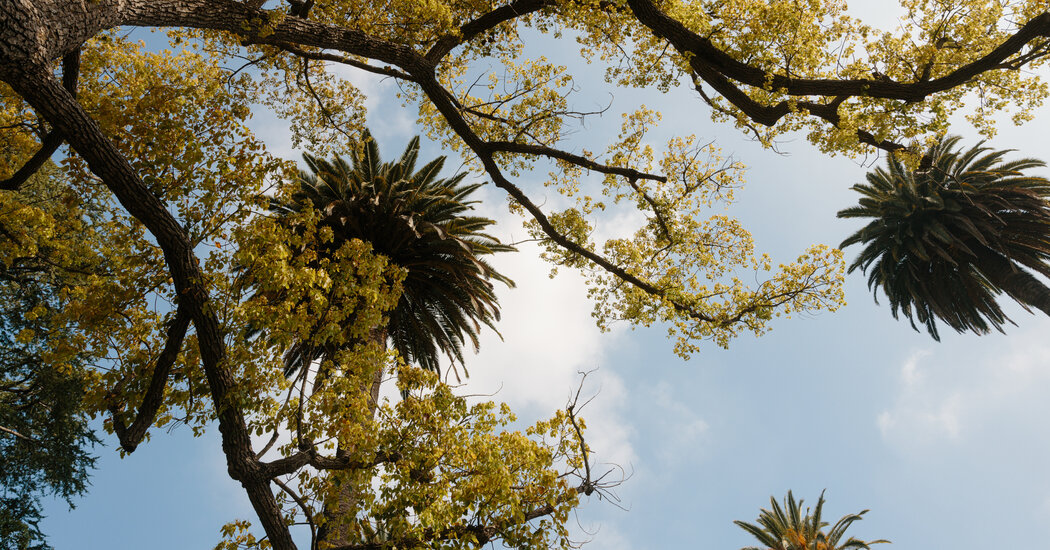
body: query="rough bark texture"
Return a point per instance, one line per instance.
(32, 79)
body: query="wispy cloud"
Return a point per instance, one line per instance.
(549, 339)
(945, 398)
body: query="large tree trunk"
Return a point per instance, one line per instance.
(336, 529)
(38, 86)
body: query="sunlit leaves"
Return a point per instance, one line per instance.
(697, 261)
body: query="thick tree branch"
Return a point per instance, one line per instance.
(253, 25)
(47, 148)
(768, 115)
(130, 437)
(53, 139)
(485, 23)
(705, 52)
(717, 68)
(300, 8)
(54, 103)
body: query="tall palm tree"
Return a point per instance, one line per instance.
(419, 221)
(949, 237)
(788, 528)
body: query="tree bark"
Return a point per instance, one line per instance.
(336, 529)
(54, 103)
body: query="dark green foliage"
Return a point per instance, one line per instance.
(420, 222)
(949, 237)
(787, 527)
(44, 434)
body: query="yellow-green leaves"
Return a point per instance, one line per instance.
(695, 262)
(819, 41)
(445, 473)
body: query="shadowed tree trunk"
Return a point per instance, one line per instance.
(336, 530)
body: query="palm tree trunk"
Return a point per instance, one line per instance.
(1018, 282)
(336, 529)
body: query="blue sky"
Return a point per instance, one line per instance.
(944, 442)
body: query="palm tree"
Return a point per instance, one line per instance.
(949, 237)
(419, 222)
(787, 528)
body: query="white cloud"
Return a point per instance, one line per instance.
(605, 535)
(549, 338)
(911, 376)
(914, 422)
(945, 398)
(1043, 511)
(681, 429)
(380, 94)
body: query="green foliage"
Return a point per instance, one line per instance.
(418, 221)
(787, 527)
(44, 434)
(952, 234)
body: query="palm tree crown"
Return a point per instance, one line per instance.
(418, 221)
(788, 528)
(949, 237)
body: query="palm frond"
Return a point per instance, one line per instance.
(419, 221)
(931, 227)
(788, 527)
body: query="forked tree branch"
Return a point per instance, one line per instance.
(55, 104)
(131, 436)
(717, 68)
(485, 23)
(438, 96)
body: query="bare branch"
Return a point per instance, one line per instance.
(342, 59)
(485, 23)
(307, 511)
(17, 434)
(578, 160)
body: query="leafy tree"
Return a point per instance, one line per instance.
(44, 435)
(418, 221)
(787, 527)
(160, 138)
(952, 234)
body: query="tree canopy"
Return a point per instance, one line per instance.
(952, 235)
(45, 442)
(160, 140)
